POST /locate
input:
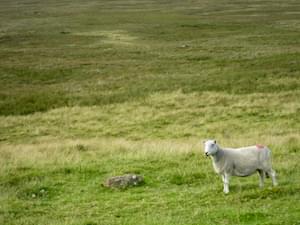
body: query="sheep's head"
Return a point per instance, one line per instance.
(210, 147)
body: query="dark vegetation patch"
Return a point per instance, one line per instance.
(252, 216)
(19, 178)
(81, 147)
(293, 145)
(271, 193)
(187, 178)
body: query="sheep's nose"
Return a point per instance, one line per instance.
(206, 153)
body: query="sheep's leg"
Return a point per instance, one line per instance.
(261, 178)
(272, 174)
(225, 178)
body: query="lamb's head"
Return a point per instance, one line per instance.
(210, 147)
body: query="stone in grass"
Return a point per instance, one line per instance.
(124, 181)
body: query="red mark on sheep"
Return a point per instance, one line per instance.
(259, 146)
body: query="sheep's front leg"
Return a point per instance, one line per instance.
(225, 178)
(273, 176)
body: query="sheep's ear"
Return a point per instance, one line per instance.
(215, 141)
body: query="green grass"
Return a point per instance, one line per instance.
(94, 89)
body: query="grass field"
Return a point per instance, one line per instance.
(93, 89)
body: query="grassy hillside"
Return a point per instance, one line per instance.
(94, 89)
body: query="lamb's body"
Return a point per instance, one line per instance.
(240, 162)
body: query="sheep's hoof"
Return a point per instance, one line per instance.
(226, 191)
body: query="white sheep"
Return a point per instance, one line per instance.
(240, 162)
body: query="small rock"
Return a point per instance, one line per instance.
(127, 180)
(184, 46)
(33, 195)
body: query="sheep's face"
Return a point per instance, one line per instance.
(210, 147)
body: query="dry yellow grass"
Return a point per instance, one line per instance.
(229, 118)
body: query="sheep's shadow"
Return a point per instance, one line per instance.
(253, 191)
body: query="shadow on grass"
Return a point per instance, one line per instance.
(270, 193)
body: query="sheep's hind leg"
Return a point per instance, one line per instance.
(261, 178)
